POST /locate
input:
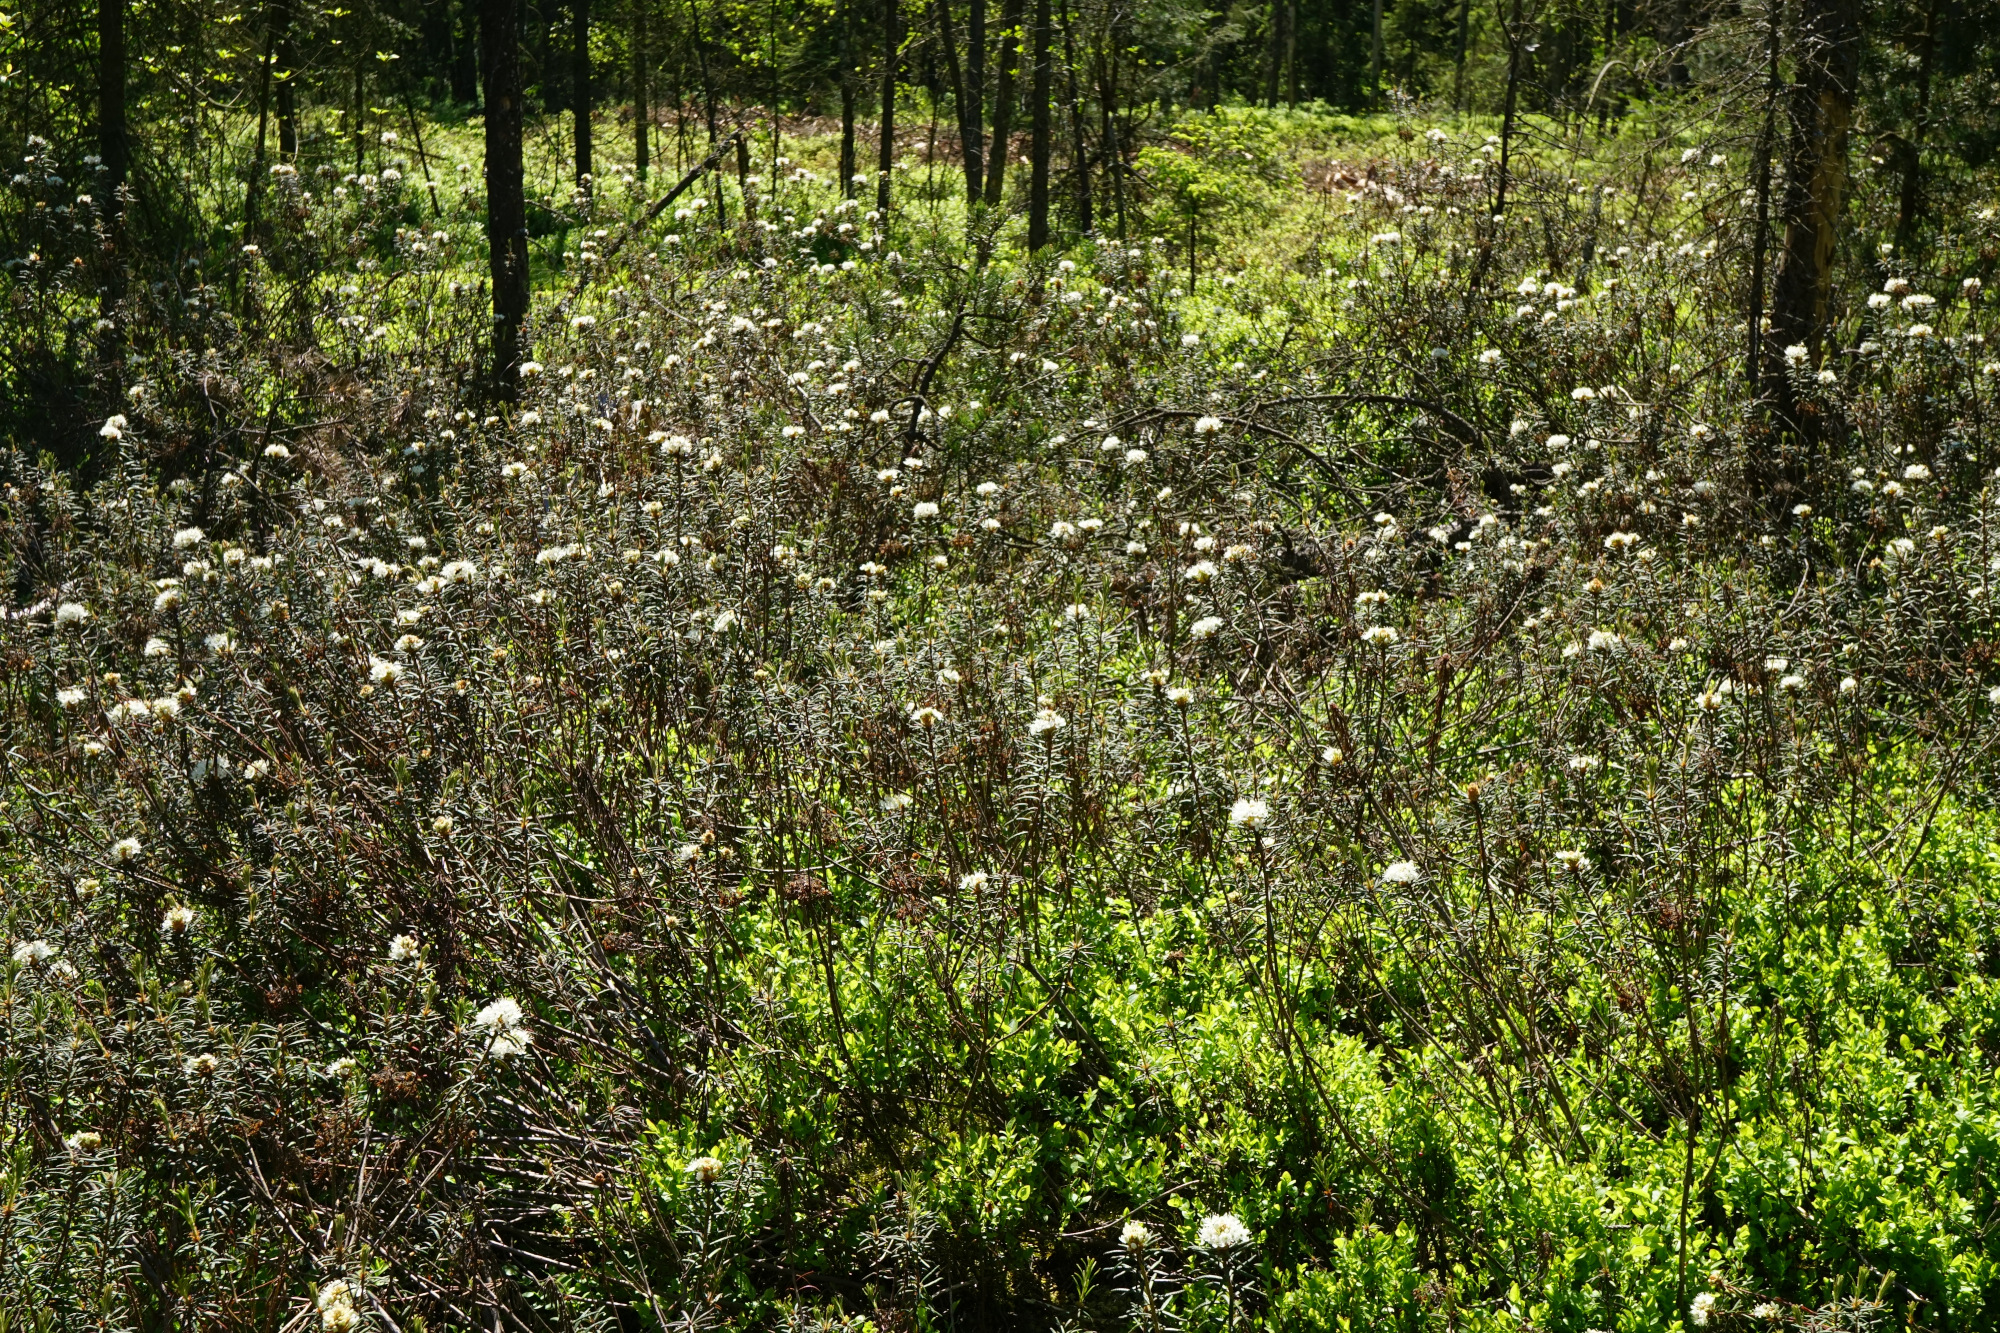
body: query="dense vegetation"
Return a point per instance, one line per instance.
(1398, 733)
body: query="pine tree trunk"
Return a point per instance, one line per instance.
(1760, 242)
(1039, 135)
(1003, 104)
(1458, 67)
(642, 107)
(975, 92)
(580, 90)
(360, 108)
(1910, 201)
(287, 76)
(892, 44)
(968, 133)
(1274, 48)
(1828, 43)
(113, 145)
(847, 159)
(1079, 160)
(506, 205)
(1822, 110)
(255, 186)
(1375, 59)
(1510, 103)
(1107, 104)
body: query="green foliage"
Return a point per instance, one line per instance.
(981, 791)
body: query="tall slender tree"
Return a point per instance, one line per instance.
(113, 140)
(1003, 102)
(975, 91)
(1828, 46)
(506, 202)
(579, 87)
(1464, 41)
(1079, 162)
(967, 133)
(892, 50)
(848, 165)
(257, 172)
(287, 75)
(1910, 199)
(1039, 134)
(1375, 56)
(642, 108)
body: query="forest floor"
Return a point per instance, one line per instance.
(896, 782)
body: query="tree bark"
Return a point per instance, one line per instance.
(975, 91)
(968, 133)
(1079, 160)
(1274, 48)
(1003, 103)
(287, 76)
(257, 169)
(892, 46)
(1458, 67)
(847, 159)
(1039, 134)
(1760, 242)
(464, 58)
(1508, 108)
(1910, 202)
(506, 204)
(360, 105)
(1375, 58)
(113, 143)
(1828, 47)
(1292, 53)
(1822, 110)
(642, 107)
(1107, 104)
(580, 91)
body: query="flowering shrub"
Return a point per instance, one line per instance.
(884, 785)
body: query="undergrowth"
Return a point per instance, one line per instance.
(894, 791)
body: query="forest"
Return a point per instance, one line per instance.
(929, 666)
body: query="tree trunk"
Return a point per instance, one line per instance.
(257, 169)
(464, 59)
(1079, 160)
(360, 105)
(1003, 103)
(1464, 39)
(1274, 48)
(580, 91)
(1292, 53)
(423, 158)
(847, 161)
(968, 133)
(1910, 202)
(506, 205)
(708, 109)
(642, 107)
(1507, 111)
(287, 77)
(1375, 59)
(975, 91)
(892, 44)
(113, 145)
(1822, 109)
(1114, 156)
(1039, 135)
(1753, 368)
